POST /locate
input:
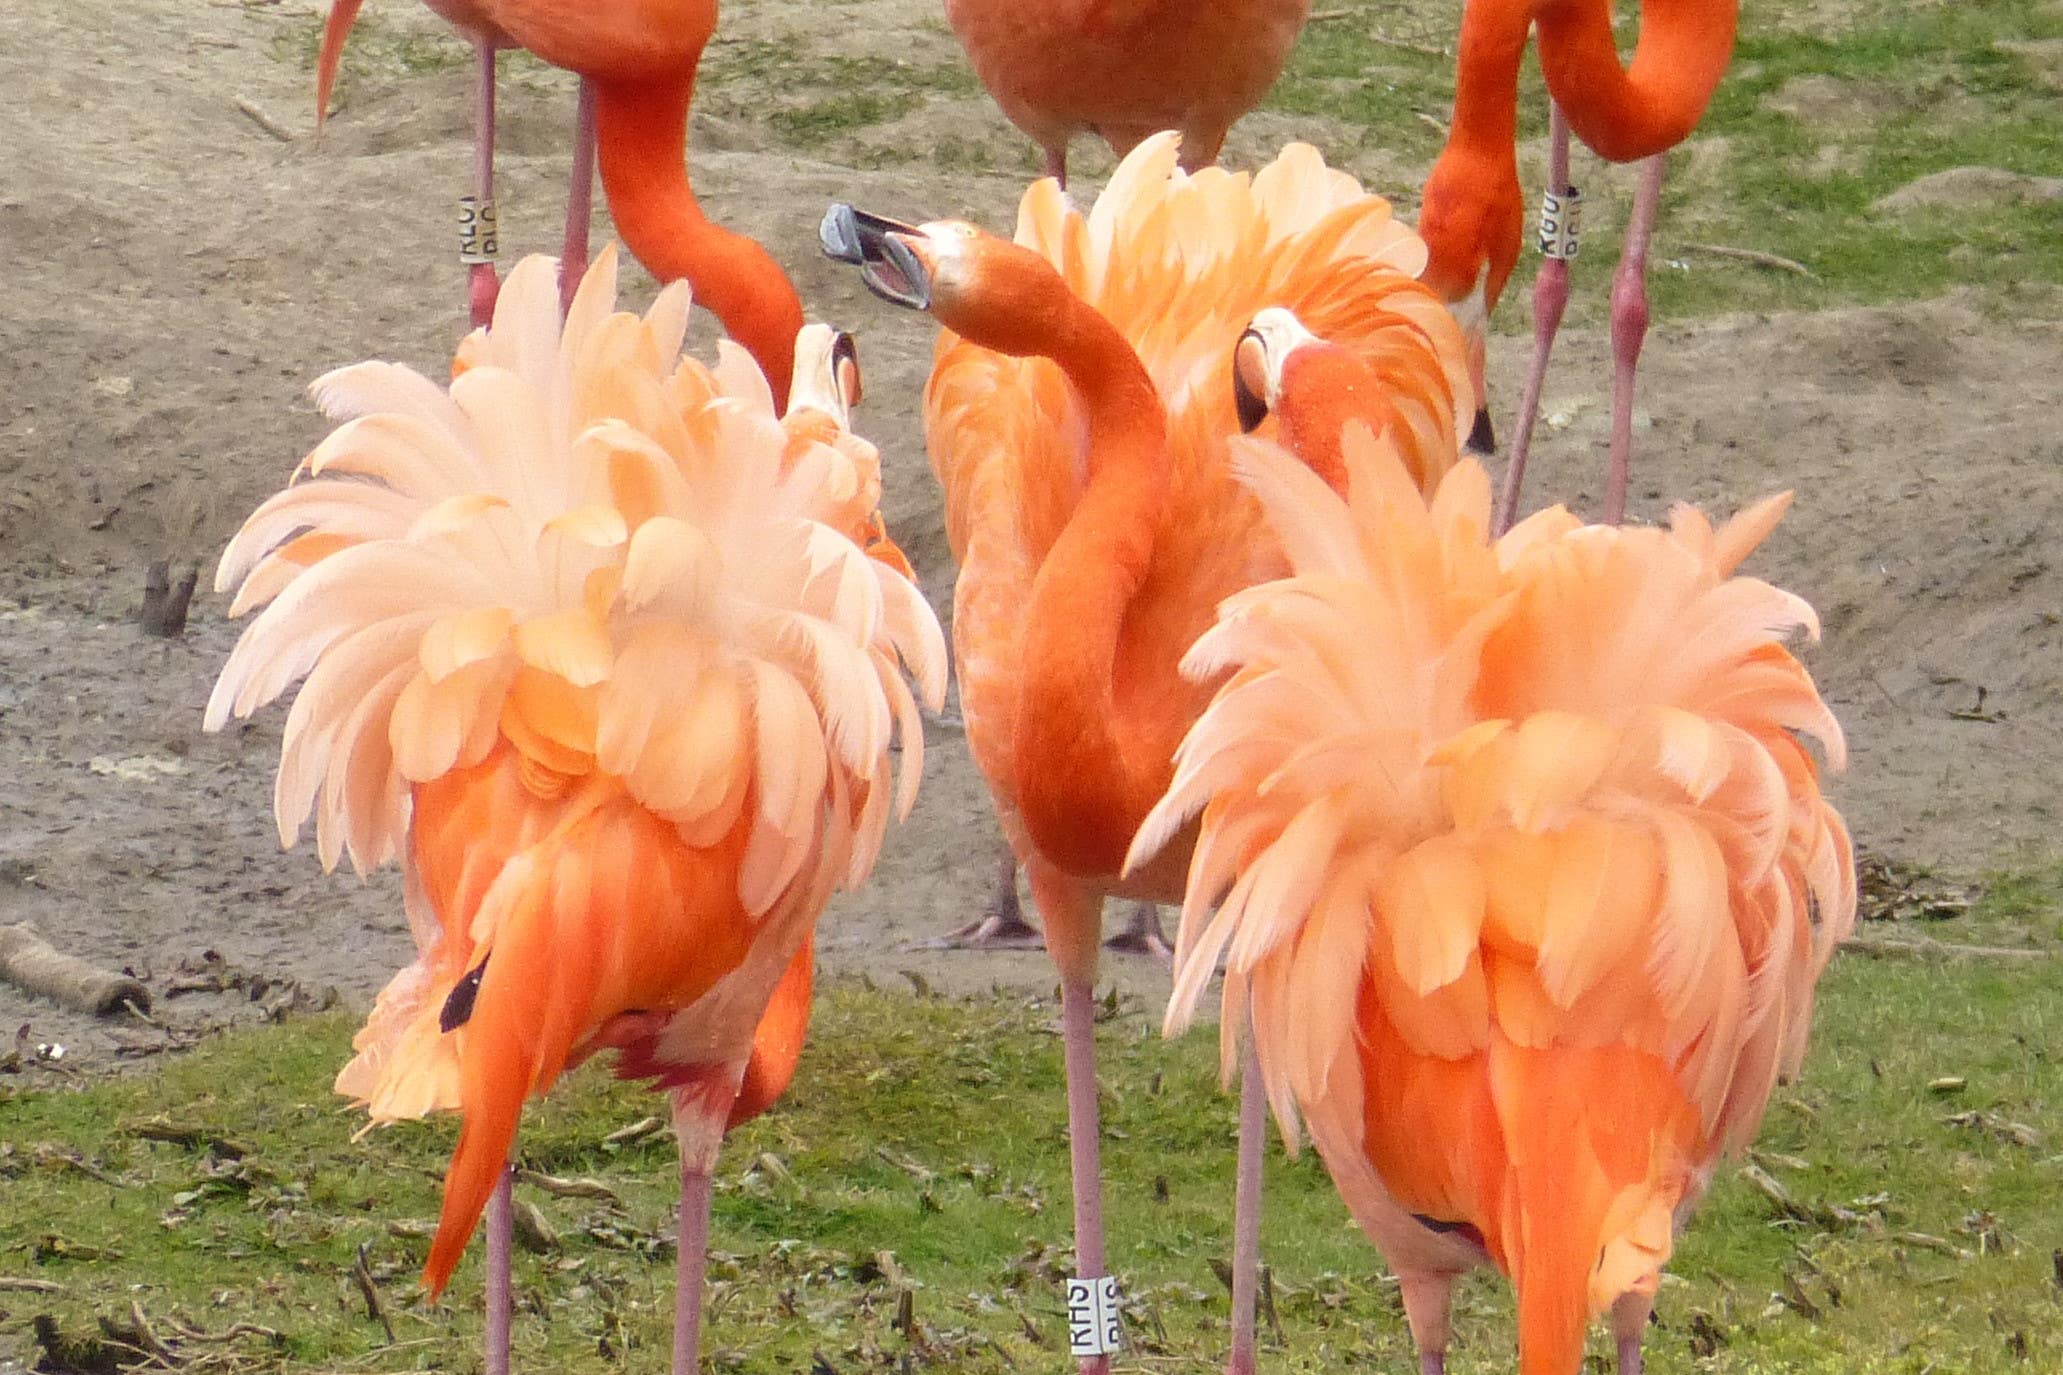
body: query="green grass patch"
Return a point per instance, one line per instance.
(923, 1150)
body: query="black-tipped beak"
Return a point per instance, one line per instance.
(1482, 438)
(1251, 408)
(845, 366)
(879, 246)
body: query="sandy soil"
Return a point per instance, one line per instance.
(179, 274)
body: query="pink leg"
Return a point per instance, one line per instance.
(1056, 165)
(1428, 1304)
(482, 285)
(1629, 328)
(692, 1256)
(580, 201)
(1246, 1210)
(1084, 1131)
(1002, 926)
(500, 1295)
(1629, 1322)
(1550, 295)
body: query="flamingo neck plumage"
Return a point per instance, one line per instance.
(1324, 388)
(1084, 780)
(1471, 221)
(1652, 104)
(642, 130)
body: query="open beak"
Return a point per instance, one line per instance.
(881, 248)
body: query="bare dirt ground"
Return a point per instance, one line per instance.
(178, 274)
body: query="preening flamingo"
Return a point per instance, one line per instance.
(1125, 69)
(593, 647)
(637, 61)
(1473, 215)
(1077, 417)
(1521, 873)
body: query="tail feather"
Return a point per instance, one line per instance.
(343, 14)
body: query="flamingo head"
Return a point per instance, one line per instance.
(1472, 218)
(1260, 362)
(827, 373)
(996, 293)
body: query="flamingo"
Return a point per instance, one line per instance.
(1078, 422)
(595, 647)
(1522, 873)
(637, 61)
(1127, 68)
(1472, 217)
(1123, 69)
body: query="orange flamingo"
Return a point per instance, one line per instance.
(1127, 68)
(593, 646)
(637, 61)
(1473, 217)
(1525, 900)
(1077, 419)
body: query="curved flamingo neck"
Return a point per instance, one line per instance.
(1084, 781)
(1653, 103)
(1471, 220)
(641, 129)
(1324, 388)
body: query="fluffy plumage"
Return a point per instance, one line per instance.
(1518, 861)
(1179, 263)
(591, 645)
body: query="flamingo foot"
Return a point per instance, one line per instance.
(1002, 926)
(1143, 936)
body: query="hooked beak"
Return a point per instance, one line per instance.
(1251, 405)
(880, 247)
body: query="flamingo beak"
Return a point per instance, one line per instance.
(1249, 381)
(883, 250)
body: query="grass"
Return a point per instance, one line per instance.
(923, 1151)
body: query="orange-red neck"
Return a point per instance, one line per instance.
(1324, 387)
(1652, 104)
(641, 129)
(1472, 215)
(1084, 782)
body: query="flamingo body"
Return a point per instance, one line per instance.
(591, 648)
(1124, 69)
(1520, 868)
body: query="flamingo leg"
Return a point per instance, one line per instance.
(1428, 1306)
(692, 1262)
(1629, 1322)
(1550, 296)
(482, 285)
(1056, 165)
(1142, 935)
(1084, 1130)
(1246, 1210)
(580, 201)
(1629, 329)
(1002, 925)
(500, 1293)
